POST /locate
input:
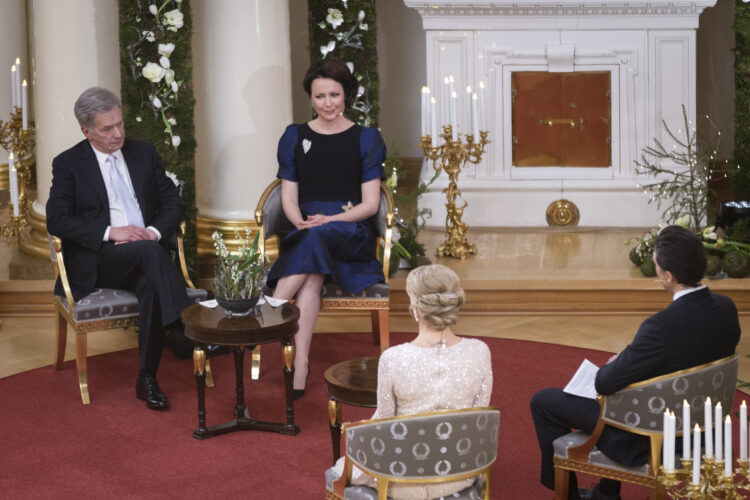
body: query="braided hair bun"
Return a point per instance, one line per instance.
(436, 293)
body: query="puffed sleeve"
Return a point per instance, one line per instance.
(482, 398)
(372, 148)
(386, 398)
(285, 154)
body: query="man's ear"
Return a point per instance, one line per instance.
(86, 132)
(669, 277)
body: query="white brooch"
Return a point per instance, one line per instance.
(347, 207)
(306, 145)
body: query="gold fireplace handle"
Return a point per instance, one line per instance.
(570, 122)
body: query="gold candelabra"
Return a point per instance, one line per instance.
(450, 157)
(713, 483)
(21, 144)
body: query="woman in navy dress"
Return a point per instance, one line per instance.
(330, 190)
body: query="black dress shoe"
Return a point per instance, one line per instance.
(148, 390)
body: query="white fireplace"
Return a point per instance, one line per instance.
(648, 49)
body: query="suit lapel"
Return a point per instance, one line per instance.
(93, 172)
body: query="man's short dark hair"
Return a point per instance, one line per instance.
(335, 69)
(681, 252)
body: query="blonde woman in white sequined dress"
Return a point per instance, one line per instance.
(436, 371)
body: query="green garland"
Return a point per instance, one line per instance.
(346, 29)
(157, 93)
(742, 100)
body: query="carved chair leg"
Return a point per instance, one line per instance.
(209, 376)
(486, 487)
(83, 382)
(255, 363)
(380, 328)
(61, 340)
(562, 481)
(375, 317)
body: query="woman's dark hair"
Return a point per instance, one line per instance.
(335, 69)
(681, 252)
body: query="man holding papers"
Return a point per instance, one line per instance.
(696, 328)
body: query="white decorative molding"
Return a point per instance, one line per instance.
(559, 8)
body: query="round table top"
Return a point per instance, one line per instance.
(213, 326)
(354, 382)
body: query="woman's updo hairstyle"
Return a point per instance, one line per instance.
(436, 293)
(335, 69)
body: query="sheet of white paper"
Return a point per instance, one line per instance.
(271, 301)
(582, 383)
(209, 303)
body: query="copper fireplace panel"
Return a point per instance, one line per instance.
(561, 119)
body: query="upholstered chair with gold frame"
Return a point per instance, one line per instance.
(425, 448)
(272, 222)
(639, 408)
(102, 309)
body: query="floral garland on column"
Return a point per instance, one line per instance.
(157, 95)
(346, 29)
(742, 100)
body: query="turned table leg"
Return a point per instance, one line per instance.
(334, 417)
(199, 366)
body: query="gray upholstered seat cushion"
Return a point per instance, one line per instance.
(473, 492)
(596, 457)
(110, 303)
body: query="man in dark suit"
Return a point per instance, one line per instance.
(113, 205)
(696, 328)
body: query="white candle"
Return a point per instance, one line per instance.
(18, 81)
(13, 96)
(433, 122)
(474, 116)
(673, 436)
(446, 102)
(667, 440)
(24, 106)
(707, 426)
(685, 430)
(743, 431)
(728, 447)
(425, 107)
(453, 122)
(482, 122)
(450, 84)
(696, 454)
(718, 439)
(468, 105)
(13, 181)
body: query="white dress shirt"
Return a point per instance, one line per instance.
(685, 292)
(117, 217)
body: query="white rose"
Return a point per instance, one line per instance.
(174, 20)
(360, 90)
(175, 87)
(361, 16)
(325, 49)
(149, 36)
(166, 49)
(138, 119)
(351, 67)
(683, 221)
(363, 26)
(152, 9)
(334, 18)
(169, 76)
(178, 1)
(172, 121)
(156, 102)
(164, 62)
(153, 72)
(175, 140)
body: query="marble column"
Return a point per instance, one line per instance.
(74, 46)
(242, 80)
(12, 45)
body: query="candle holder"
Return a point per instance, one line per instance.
(712, 484)
(450, 157)
(21, 143)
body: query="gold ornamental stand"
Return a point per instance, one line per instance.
(452, 156)
(713, 484)
(21, 143)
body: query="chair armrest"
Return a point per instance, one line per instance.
(56, 244)
(582, 452)
(181, 254)
(388, 214)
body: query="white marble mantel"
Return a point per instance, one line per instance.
(649, 48)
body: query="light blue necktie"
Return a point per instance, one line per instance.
(123, 194)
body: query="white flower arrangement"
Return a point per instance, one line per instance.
(240, 274)
(335, 18)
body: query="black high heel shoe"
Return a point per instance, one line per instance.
(299, 393)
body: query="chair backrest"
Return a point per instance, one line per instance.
(441, 445)
(640, 407)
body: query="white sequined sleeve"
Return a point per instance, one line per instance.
(386, 399)
(485, 391)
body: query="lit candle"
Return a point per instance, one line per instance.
(668, 439)
(453, 122)
(707, 426)
(18, 81)
(482, 122)
(433, 121)
(717, 431)
(24, 106)
(672, 436)
(13, 96)
(474, 116)
(425, 109)
(728, 446)
(446, 101)
(685, 430)
(696, 454)
(13, 181)
(743, 431)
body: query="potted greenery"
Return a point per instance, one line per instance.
(240, 275)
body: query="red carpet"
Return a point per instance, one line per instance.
(54, 447)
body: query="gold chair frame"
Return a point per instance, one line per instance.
(577, 460)
(65, 317)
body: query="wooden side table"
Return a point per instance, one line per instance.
(353, 382)
(212, 326)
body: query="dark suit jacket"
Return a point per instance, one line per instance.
(78, 207)
(697, 328)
